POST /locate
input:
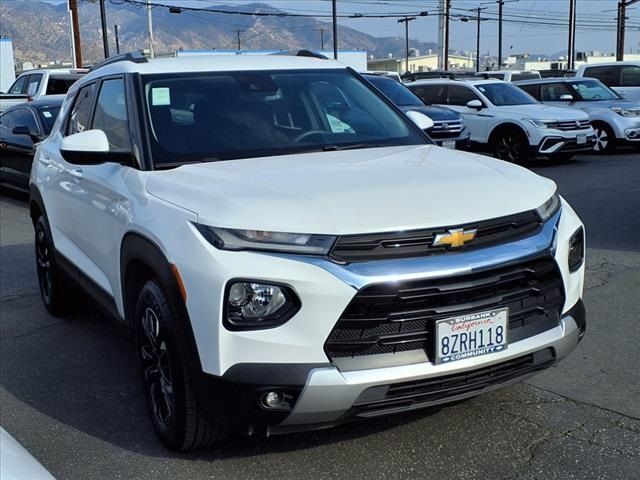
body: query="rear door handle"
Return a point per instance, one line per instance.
(76, 173)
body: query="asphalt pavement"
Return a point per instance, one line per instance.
(70, 392)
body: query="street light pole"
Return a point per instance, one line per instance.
(115, 27)
(406, 21)
(445, 53)
(335, 30)
(152, 52)
(500, 5)
(103, 20)
(571, 50)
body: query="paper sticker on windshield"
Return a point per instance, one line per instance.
(338, 126)
(46, 114)
(160, 96)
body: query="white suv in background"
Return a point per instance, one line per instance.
(513, 124)
(623, 77)
(290, 251)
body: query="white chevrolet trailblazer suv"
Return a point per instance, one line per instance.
(509, 121)
(290, 251)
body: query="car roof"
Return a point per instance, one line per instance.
(489, 72)
(462, 81)
(610, 64)
(539, 81)
(214, 63)
(57, 71)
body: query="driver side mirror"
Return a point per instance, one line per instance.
(566, 98)
(24, 130)
(420, 119)
(477, 104)
(91, 147)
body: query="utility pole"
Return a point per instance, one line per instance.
(335, 30)
(75, 33)
(500, 5)
(238, 32)
(115, 27)
(103, 20)
(445, 57)
(478, 19)
(571, 48)
(321, 30)
(622, 17)
(406, 21)
(152, 52)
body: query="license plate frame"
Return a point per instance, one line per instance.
(458, 330)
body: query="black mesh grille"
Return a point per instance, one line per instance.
(401, 396)
(397, 317)
(414, 243)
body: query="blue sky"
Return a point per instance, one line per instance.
(596, 22)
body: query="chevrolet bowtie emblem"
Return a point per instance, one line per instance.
(456, 237)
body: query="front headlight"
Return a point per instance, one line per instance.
(542, 123)
(549, 208)
(235, 239)
(627, 112)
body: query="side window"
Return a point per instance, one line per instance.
(18, 86)
(609, 75)
(459, 95)
(551, 92)
(630, 76)
(532, 90)
(18, 117)
(111, 114)
(80, 117)
(59, 86)
(34, 83)
(431, 94)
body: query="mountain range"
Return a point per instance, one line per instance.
(40, 31)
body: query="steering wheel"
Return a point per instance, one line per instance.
(304, 135)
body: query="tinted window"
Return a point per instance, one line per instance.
(430, 94)
(459, 95)
(60, 85)
(19, 85)
(630, 76)
(18, 118)
(80, 117)
(224, 116)
(524, 76)
(533, 90)
(397, 93)
(504, 94)
(551, 92)
(111, 114)
(48, 117)
(34, 83)
(609, 75)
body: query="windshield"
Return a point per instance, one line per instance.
(397, 93)
(590, 90)
(232, 115)
(505, 94)
(48, 116)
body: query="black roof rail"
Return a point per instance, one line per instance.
(301, 53)
(135, 57)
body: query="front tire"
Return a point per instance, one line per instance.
(55, 286)
(177, 416)
(605, 138)
(511, 145)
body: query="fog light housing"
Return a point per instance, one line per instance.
(576, 250)
(254, 305)
(276, 400)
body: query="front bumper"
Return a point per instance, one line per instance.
(555, 144)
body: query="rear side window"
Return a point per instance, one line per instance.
(430, 94)
(34, 83)
(18, 86)
(111, 114)
(609, 75)
(80, 117)
(59, 86)
(532, 90)
(459, 95)
(524, 76)
(630, 76)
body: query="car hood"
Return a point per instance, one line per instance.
(434, 113)
(544, 112)
(355, 191)
(606, 104)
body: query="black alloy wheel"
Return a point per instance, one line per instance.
(511, 146)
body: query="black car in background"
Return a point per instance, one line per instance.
(21, 127)
(448, 127)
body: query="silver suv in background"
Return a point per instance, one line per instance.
(623, 77)
(615, 120)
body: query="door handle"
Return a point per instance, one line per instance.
(76, 173)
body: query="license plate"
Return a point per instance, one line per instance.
(582, 139)
(471, 335)
(451, 144)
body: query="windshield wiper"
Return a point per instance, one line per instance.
(168, 165)
(332, 148)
